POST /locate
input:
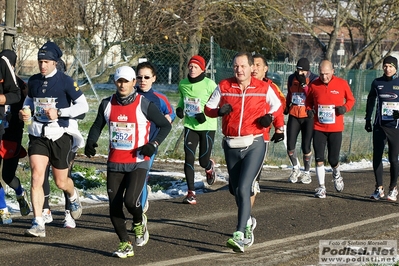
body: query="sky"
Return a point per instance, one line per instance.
(179, 188)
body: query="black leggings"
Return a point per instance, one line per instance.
(296, 125)
(125, 188)
(382, 135)
(191, 139)
(333, 142)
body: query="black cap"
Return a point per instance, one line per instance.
(49, 51)
(391, 60)
(303, 64)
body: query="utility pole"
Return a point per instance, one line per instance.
(9, 28)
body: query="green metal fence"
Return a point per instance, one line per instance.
(172, 66)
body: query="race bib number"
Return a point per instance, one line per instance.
(387, 110)
(192, 106)
(298, 98)
(122, 135)
(40, 104)
(326, 114)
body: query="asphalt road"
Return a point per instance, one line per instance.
(290, 224)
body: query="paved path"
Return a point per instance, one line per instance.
(290, 224)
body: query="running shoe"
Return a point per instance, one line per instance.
(338, 183)
(24, 206)
(249, 233)
(141, 233)
(47, 217)
(69, 222)
(36, 230)
(392, 196)
(306, 178)
(236, 243)
(294, 175)
(5, 217)
(211, 174)
(320, 193)
(190, 198)
(125, 249)
(256, 188)
(378, 193)
(76, 207)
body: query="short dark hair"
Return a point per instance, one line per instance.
(261, 56)
(248, 55)
(147, 64)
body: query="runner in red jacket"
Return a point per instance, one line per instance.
(329, 98)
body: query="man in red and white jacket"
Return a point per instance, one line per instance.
(247, 106)
(328, 99)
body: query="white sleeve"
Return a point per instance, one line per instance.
(214, 100)
(80, 106)
(273, 100)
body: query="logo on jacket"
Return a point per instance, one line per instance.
(334, 92)
(122, 117)
(395, 88)
(388, 96)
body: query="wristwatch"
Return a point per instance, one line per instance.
(59, 113)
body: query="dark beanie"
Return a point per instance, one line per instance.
(11, 56)
(391, 60)
(303, 64)
(49, 51)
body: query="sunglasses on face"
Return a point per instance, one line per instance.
(143, 77)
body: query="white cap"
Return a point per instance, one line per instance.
(125, 72)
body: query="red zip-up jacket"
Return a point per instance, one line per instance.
(322, 96)
(248, 106)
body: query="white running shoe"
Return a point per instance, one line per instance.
(36, 230)
(320, 193)
(392, 196)
(339, 183)
(76, 207)
(47, 217)
(294, 175)
(249, 233)
(256, 188)
(69, 222)
(306, 178)
(141, 233)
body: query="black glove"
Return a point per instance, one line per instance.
(148, 149)
(340, 110)
(179, 112)
(368, 127)
(277, 137)
(301, 79)
(310, 113)
(266, 120)
(90, 148)
(225, 110)
(287, 110)
(395, 114)
(200, 118)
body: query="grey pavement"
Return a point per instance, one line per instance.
(290, 224)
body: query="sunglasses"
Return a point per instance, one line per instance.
(143, 77)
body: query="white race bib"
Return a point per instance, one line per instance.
(192, 106)
(387, 110)
(122, 135)
(298, 98)
(43, 103)
(326, 114)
